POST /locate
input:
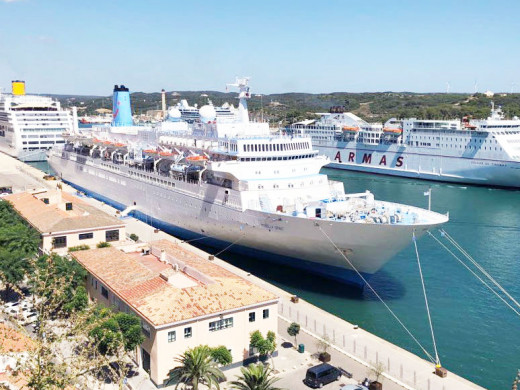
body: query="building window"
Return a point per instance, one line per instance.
(265, 313)
(112, 235)
(171, 336)
(221, 324)
(59, 242)
(252, 316)
(86, 236)
(104, 292)
(187, 332)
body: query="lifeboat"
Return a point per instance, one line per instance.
(150, 151)
(196, 158)
(119, 145)
(392, 130)
(165, 154)
(351, 129)
(95, 140)
(107, 142)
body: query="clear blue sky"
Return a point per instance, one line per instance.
(85, 47)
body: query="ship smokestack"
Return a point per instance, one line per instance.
(121, 111)
(18, 87)
(163, 99)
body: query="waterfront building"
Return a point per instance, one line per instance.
(182, 299)
(65, 221)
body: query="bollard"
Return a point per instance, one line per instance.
(306, 320)
(401, 371)
(354, 346)
(365, 352)
(343, 341)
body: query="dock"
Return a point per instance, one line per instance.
(352, 348)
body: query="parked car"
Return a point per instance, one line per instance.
(321, 375)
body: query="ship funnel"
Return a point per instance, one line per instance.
(18, 87)
(121, 111)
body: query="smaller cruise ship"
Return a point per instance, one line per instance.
(30, 125)
(482, 152)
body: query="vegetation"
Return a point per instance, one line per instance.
(323, 343)
(377, 370)
(282, 109)
(293, 330)
(79, 248)
(103, 244)
(18, 243)
(221, 355)
(196, 366)
(134, 237)
(264, 346)
(255, 377)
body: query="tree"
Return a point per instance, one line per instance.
(255, 377)
(293, 330)
(221, 355)
(13, 268)
(196, 367)
(376, 370)
(134, 237)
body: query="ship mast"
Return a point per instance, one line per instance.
(243, 95)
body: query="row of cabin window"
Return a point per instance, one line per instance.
(275, 158)
(275, 147)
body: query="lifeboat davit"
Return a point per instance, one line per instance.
(351, 129)
(393, 130)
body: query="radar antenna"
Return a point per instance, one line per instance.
(242, 84)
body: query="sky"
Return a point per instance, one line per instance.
(85, 47)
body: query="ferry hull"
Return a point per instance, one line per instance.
(398, 161)
(332, 249)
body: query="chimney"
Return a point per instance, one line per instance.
(163, 99)
(68, 206)
(121, 110)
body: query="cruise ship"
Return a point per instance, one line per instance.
(482, 152)
(234, 185)
(30, 125)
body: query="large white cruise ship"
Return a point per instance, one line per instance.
(483, 152)
(30, 125)
(241, 188)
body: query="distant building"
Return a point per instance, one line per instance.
(65, 221)
(489, 94)
(183, 300)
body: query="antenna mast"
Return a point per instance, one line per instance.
(242, 84)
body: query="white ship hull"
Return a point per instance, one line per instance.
(299, 242)
(406, 161)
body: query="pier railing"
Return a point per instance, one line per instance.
(400, 366)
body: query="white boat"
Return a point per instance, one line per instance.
(483, 152)
(243, 188)
(30, 125)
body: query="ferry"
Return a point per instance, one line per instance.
(481, 152)
(30, 125)
(234, 185)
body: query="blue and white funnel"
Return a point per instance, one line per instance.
(121, 111)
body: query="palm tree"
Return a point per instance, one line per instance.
(196, 367)
(255, 377)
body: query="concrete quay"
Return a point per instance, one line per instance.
(352, 348)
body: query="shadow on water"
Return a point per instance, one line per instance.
(304, 283)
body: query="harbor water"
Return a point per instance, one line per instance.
(476, 333)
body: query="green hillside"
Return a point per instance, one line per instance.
(290, 107)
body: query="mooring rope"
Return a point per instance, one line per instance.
(378, 296)
(474, 274)
(437, 360)
(478, 266)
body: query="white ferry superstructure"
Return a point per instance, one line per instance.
(482, 152)
(235, 183)
(30, 125)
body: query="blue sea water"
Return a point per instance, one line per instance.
(477, 335)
